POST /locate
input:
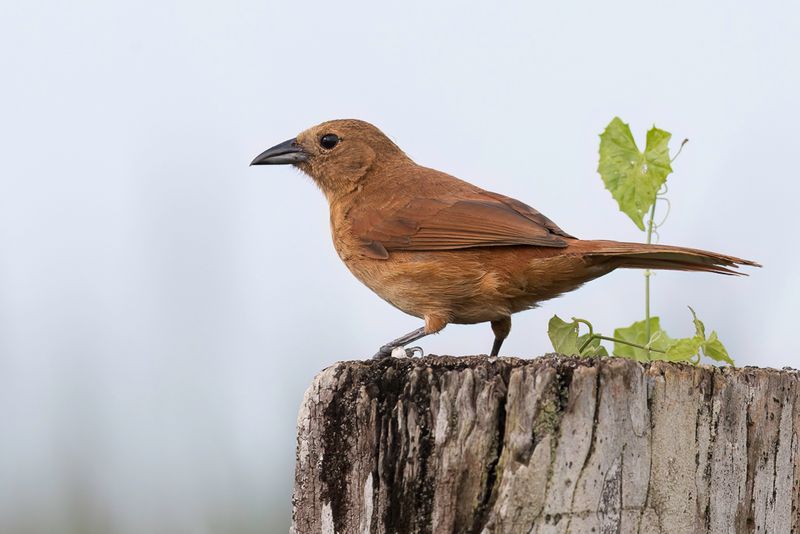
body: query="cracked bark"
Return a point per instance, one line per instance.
(550, 445)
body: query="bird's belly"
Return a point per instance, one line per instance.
(463, 286)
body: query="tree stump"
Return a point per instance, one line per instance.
(554, 444)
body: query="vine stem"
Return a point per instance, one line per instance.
(592, 336)
(638, 346)
(650, 226)
(615, 340)
(647, 272)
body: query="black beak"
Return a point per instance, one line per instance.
(285, 153)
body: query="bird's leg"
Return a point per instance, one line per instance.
(401, 341)
(433, 324)
(501, 328)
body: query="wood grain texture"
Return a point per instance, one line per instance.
(550, 445)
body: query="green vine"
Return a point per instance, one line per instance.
(637, 181)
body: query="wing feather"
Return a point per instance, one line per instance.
(466, 220)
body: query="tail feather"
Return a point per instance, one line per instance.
(643, 256)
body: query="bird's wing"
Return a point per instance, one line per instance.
(467, 220)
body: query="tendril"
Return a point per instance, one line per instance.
(678, 153)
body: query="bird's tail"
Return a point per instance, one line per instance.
(643, 256)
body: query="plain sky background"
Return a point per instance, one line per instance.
(163, 306)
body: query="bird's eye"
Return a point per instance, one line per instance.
(329, 141)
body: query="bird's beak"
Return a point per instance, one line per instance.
(285, 153)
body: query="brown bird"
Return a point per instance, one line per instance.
(447, 251)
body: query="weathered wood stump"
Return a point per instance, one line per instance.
(477, 444)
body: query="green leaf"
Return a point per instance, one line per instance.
(563, 336)
(633, 177)
(714, 349)
(565, 339)
(593, 349)
(637, 333)
(699, 327)
(684, 349)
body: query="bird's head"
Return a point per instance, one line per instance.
(337, 154)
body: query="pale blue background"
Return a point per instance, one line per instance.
(163, 306)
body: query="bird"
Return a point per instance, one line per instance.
(444, 250)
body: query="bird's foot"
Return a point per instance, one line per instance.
(397, 352)
(402, 352)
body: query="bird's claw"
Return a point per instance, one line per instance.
(398, 352)
(412, 350)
